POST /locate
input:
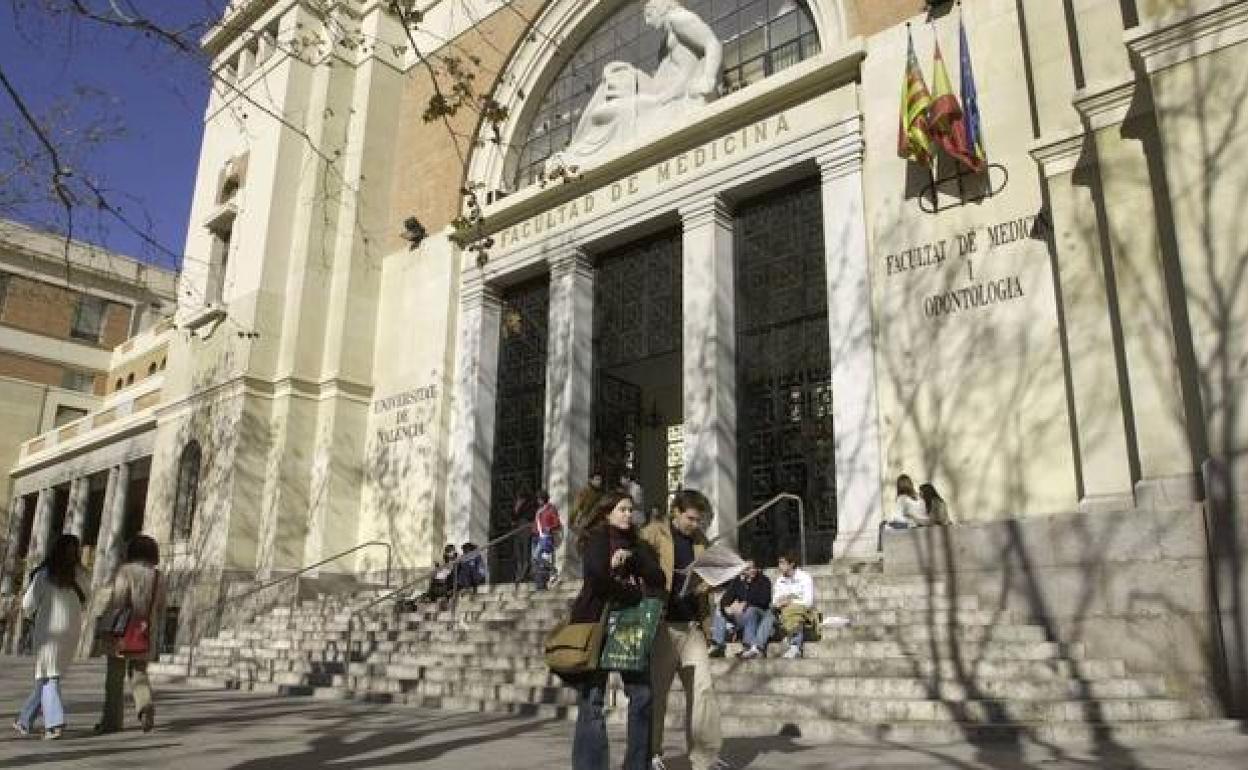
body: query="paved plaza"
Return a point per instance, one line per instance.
(202, 729)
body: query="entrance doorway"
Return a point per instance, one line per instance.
(638, 403)
(520, 415)
(784, 374)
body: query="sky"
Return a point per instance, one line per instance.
(151, 99)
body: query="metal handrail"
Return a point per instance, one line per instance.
(754, 514)
(479, 553)
(190, 658)
(294, 575)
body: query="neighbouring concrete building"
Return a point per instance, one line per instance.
(736, 285)
(64, 308)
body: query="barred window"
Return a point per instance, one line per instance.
(73, 379)
(760, 38)
(89, 318)
(187, 491)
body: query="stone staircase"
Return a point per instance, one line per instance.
(916, 665)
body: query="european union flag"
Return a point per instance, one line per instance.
(970, 101)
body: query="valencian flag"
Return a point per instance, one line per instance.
(913, 142)
(970, 103)
(946, 118)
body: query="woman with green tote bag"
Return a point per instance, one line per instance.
(618, 573)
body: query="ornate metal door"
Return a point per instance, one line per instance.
(637, 316)
(520, 414)
(784, 389)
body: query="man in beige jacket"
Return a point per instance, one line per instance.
(681, 642)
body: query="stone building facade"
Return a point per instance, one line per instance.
(755, 295)
(62, 313)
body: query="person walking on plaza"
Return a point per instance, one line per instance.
(680, 646)
(620, 573)
(546, 533)
(54, 600)
(746, 604)
(794, 600)
(138, 594)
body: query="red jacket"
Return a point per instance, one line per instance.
(547, 519)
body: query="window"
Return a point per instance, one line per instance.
(151, 369)
(214, 292)
(119, 385)
(88, 318)
(760, 38)
(187, 491)
(83, 382)
(4, 289)
(130, 378)
(67, 414)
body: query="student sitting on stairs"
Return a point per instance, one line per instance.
(794, 599)
(746, 604)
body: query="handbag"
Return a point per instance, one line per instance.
(136, 638)
(630, 636)
(573, 648)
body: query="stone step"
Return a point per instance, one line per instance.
(412, 666)
(859, 710)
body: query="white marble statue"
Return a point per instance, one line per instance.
(628, 102)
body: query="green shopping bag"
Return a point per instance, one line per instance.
(630, 636)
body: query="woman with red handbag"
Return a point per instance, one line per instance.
(138, 599)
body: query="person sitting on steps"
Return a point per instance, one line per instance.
(746, 604)
(794, 600)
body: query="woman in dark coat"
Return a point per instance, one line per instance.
(619, 570)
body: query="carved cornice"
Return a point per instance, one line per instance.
(844, 155)
(1183, 36)
(476, 295)
(1108, 104)
(1061, 154)
(572, 261)
(707, 211)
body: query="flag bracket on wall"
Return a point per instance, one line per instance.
(963, 187)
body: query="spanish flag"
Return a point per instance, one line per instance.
(948, 126)
(913, 142)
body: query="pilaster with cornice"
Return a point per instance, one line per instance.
(1187, 35)
(1091, 365)
(709, 366)
(1063, 154)
(473, 404)
(1108, 104)
(569, 379)
(855, 419)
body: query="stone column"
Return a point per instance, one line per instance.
(569, 379)
(1167, 473)
(855, 410)
(75, 515)
(112, 523)
(39, 541)
(472, 416)
(1099, 419)
(12, 559)
(710, 360)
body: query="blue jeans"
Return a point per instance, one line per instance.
(756, 626)
(543, 560)
(590, 750)
(46, 695)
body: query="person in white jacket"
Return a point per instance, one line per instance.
(793, 597)
(54, 600)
